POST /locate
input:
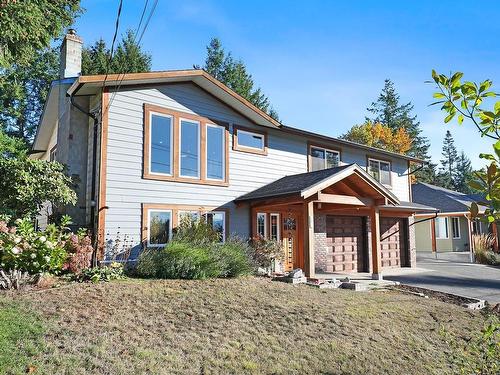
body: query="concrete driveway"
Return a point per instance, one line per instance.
(452, 273)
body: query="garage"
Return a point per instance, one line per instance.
(346, 244)
(392, 242)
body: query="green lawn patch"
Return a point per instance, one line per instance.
(21, 337)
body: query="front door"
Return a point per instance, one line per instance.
(290, 240)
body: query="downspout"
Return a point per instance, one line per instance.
(93, 202)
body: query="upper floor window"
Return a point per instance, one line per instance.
(322, 158)
(249, 140)
(184, 147)
(215, 152)
(190, 149)
(380, 170)
(161, 141)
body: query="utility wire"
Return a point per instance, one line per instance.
(138, 43)
(117, 24)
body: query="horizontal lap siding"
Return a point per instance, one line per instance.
(126, 189)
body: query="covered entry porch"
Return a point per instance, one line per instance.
(337, 220)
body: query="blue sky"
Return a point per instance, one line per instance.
(322, 63)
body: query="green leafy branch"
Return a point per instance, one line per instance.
(464, 101)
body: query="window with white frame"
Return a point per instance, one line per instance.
(322, 158)
(380, 170)
(189, 148)
(441, 227)
(215, 152)
(262, 224)
(275, 226)
(455, 227)
(217, 219)
(159, 227)
(161, 143)
(249, 140)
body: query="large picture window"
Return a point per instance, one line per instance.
(185, 147)
(322, 158)
(380, 170)
(190, 149)
(215, 152)
(161, 144)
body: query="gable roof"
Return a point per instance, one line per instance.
(306, 184)
(87, 85)
(443, 199)
(92, 84)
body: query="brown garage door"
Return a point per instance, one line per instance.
(391, 241)
(345, 243)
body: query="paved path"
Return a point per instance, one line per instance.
(452, 273)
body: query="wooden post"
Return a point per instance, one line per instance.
(376, 251)
(433, 236)
(308, 224)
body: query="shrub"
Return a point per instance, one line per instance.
(25, 249)
(79, 249)
(104, 273)
(483, 253)
(233, 257)
(183, 260)
(178, 260)
(196, 231)
(266, 253)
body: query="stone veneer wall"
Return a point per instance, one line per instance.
(413, 246)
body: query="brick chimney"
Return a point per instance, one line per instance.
(71, 55)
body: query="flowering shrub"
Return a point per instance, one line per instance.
(114, 271)
(267, 252)
(25, 249)
(79, 250)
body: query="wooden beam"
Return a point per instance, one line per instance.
(375, 242)
(433, 235)
(308, 224)
(344, 199)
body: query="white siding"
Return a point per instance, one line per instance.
(126, 190)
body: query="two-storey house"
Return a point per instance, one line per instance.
(148, 148)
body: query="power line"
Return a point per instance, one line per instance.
(117, 24)
(137, 42)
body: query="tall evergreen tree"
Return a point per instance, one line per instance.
(463, 174)
(128, 57)
(388, 110)
(233, 73)
(448, 162)
(23, 91)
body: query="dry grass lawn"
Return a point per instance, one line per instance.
(245, 325)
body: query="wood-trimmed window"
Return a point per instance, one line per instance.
(380, 170)
(249, 140)
(183, 147)
(169, 216)
(262, 224)
(455, 227)
(274, 227)
(320, 157)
